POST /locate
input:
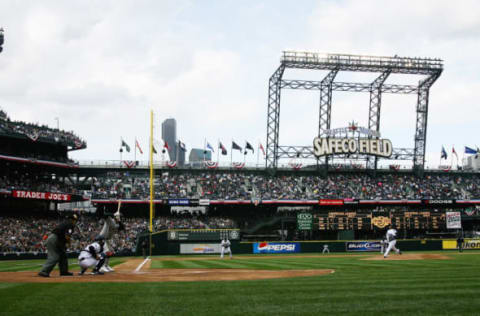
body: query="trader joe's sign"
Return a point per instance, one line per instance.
(41, 195)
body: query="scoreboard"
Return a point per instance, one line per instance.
(203, 234)
(344, 221)
(423, 220)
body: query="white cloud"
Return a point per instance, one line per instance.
(101, 66)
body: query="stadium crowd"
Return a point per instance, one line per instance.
(33, 182)
(241, 186)
(35, 131)
(27, 234)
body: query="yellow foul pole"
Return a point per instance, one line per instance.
(151, 180)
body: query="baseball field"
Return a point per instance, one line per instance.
(429, 283)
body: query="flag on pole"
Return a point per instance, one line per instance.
(222, 148)
(127, 148)
(138, 146)
(262, 149)
(443, 153)
(248, 146)
(454, 152)
(182, 146)
(210, 147)
(469, 150)
(235, 146)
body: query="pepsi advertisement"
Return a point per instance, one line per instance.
(275, 247)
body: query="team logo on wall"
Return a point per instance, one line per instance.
(381, 221)
(172, 235)
(234, 234)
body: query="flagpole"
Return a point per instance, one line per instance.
(245, 153)
(218, 152)
(204, 148)
(231, 153)
(258, 154)
(121, 150)
(135, 156)
(451, 160)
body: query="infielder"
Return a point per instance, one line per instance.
(325, 249)
(225, 248)
(392, 241)
(110, 227)
(92, 255)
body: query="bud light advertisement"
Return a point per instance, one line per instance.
(363, 246)
(275, 247)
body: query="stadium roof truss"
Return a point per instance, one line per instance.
(334, 63)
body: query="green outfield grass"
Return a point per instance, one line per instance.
(358, 287)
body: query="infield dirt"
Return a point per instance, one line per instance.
(130, 271)
(126, 272)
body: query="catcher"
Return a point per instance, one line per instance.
(110, 227)
(93, 255)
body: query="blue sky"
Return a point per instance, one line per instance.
(100, 66)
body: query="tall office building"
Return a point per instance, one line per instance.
(181, 156)
(169, 134)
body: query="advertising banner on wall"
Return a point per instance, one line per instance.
(454, 220)
(199, 248)
(275, 247)
(468, 244)
(304, 221)
(363, 246)
(41, 195)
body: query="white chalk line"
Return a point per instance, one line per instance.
(140, 266)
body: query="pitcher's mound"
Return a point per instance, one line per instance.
(413, 256)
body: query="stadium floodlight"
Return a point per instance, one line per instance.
(1, 39)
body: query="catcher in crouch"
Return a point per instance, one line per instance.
(92, 256)
(110, 227)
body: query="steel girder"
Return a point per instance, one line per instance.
(325, 111)
(421, 125)
(348, 86)
(326, 101)
(361, 68)
(307, 152)
(273, 117)
(335, 63)
(375, 106)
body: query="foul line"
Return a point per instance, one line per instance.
(142, 264)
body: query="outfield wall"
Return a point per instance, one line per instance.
(163, 246)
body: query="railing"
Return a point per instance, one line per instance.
(361, 60)
(227, 165)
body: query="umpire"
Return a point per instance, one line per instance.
(57, 248)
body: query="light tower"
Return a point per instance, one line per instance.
(429, 68)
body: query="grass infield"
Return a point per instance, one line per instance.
(358, 287)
